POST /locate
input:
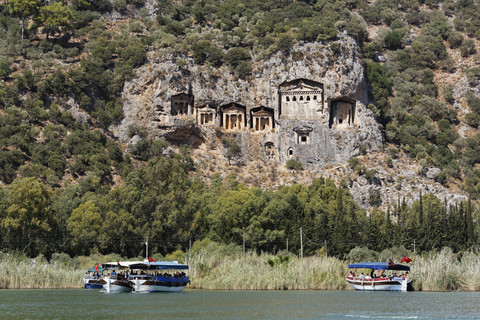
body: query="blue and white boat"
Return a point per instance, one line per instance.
(389, 277)
(154, 277)
(93, 278)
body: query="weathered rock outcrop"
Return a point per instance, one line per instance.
(320, 134)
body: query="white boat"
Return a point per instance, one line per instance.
(389, 280)
(93, 278)
(152, 277)
(116, 284)
(117, 281)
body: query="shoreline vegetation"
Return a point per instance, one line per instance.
(226, 267)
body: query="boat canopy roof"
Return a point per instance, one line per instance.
(118, 265)
(158, 265)
(378, 266)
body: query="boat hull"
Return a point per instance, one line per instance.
(117, 286)
(93, 282)
(380, 284)
(96, 285)
(159, 285)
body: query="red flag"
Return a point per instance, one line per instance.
(390, 263)
(118, 263)
(150, 259)
(406, 259)
(96, 268)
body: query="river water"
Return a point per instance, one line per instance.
(203, 304)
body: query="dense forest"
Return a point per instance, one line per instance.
(68, 186)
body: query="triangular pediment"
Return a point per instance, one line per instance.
(262, 113)
(233, 108)
(205, 107)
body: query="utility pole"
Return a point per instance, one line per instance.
(301, 243)
(287, 244)
(413, 246)
(243, 241)
(326, 248)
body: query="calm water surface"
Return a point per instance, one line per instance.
(199, 304)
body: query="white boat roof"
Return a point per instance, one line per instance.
(115, 264)
(158, 265)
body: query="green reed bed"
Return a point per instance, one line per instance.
(19, 272)
(250, 271)
(214, 266)
(446, 271)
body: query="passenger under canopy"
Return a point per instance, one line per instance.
(378, 266)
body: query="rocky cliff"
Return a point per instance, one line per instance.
(148, 103)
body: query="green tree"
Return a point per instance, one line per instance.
(27, 219)
(24, 9)
(85, 226)
(4, 69)
(233, 149)
(54, 16)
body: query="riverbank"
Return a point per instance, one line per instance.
(221, 267)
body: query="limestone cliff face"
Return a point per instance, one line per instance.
(309, 106)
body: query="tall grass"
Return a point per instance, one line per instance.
(16, 271)
(254, 272)
(214, 266)
(446, 271)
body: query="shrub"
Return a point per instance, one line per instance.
(434, 109)
(393, 40)
(455, 40)
(293, 164)
(467, 48)
(473, 119)
(285, 43)
(135, 26)
(4, 69)
(371, 49)
(448, 93)
(473, 76)
(473, 102)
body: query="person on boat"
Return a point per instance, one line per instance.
(350, 275)
(407, 275)
(362, 276)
